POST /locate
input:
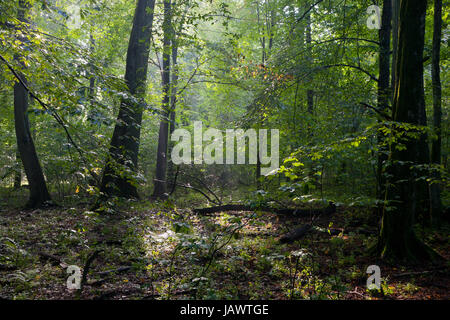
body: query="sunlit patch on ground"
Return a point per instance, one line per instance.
(174, 254)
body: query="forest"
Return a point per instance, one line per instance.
(224, 150)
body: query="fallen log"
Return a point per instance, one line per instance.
(226, 207)
(295, 234)
(284, 211)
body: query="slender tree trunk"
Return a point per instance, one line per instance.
(160, 190)
(272, 25)
(92, 73)
(309, 93)
(118, 176)
(384, 88)
(436, 205)
(18, 172)
(173, 101)
(395, 22)
(39, 195)
(262, 39)
(174, 84)
(407, 197)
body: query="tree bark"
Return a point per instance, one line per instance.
(118, 176)
(160, 190)
(436, 205)
(309, 93)
(92, 73)
(407, 197)
(384, 88)
(395, 22)
(39, 195)
(173, 101)
(17, 172)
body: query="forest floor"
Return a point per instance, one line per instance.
(158, 251)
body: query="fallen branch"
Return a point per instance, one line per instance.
(118, 270)
(176, 293)
(51, 257)
(86, 268)
(417, 273)
(357, 293)
(115, 292)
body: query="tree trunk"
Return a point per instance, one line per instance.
(173, 94)
(309, 93)
(384, 89)
(395, 21)
(407, 197)
(92, 73)
(39, 195)
(176, 34)
(118, 176)
(436, 205)
(160, 190)
(262, 40)
(17, 172)
(173, 101)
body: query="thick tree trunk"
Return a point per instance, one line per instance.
(39, 195)
(118, 176)
(436, 205)
(160, 190)
(384, 89)
(407, 197)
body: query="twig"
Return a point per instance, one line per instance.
(206, 187)
(306, 12)
(198, 190)
(357, 293)
(372, 77)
